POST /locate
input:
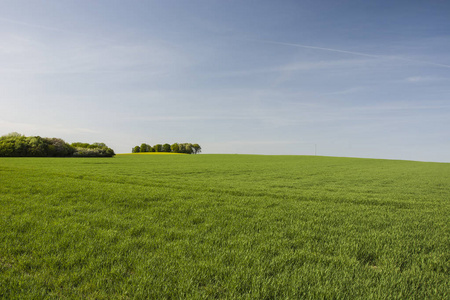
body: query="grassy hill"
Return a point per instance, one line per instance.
(223, 226)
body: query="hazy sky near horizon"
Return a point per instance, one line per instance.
(355, 78)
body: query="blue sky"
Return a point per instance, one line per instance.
(356, 78)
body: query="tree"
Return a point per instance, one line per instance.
(20, 146)
(145, 147)
(182, 148)
(197, 148)
(188, 148)
(35, 146)
(175, 148)
(166, 148)
(12, 135)
(158, 148)
(82, 145)
(99, 145)
(60, 148)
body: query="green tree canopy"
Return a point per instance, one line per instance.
(145, 148)
(175, 148)
(158, 148)
(15, 144)
(136, 149)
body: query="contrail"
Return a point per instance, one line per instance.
(353, 53)
(321, 48)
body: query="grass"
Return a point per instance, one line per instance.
(152, 153)
(223, 226)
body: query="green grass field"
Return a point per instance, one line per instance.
(223, 226)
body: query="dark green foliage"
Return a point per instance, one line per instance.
(181, 148)
(158, 148)
(136, 149)
(175, 148)
(60, 148)
(81, 145)
(17, 145)
(197, 148)
(187, 148)
(99, 145)
(166, 148)
(145, 148)
(92, 150)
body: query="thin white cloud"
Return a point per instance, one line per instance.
(402, 105)
(426, 79)
(319, 48)
(353, 53)
(331, 64)
(303, 66)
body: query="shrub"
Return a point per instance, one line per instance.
(15, 144)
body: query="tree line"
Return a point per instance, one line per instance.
(174, 148)
(17, 145)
